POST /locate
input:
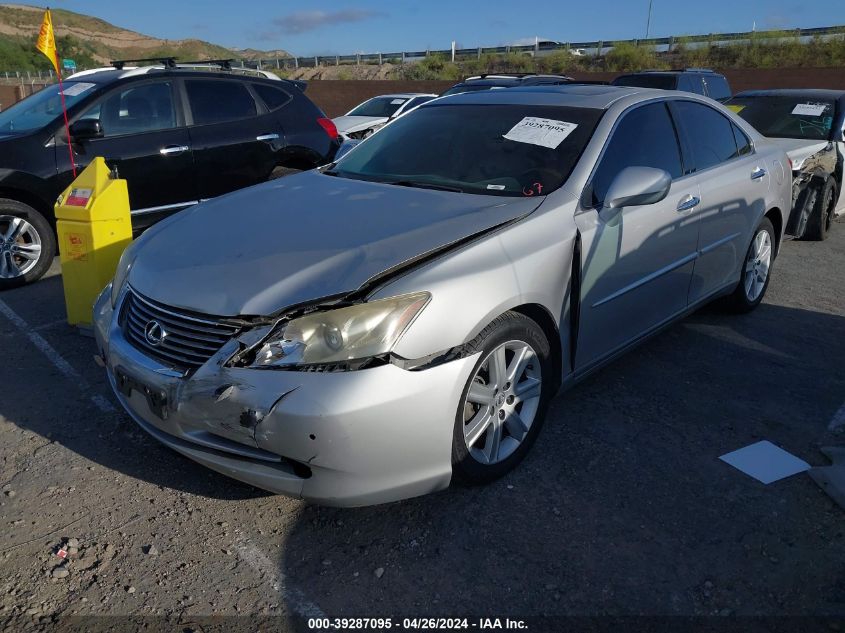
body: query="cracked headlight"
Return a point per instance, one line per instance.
(122, 272)
(346, 334)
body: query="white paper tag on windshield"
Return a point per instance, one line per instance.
(77, 89)
(398, 101)
(544, 132)
(809, 109)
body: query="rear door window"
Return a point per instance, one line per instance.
(743, 143)
(219, 101)
(709, 133)
(645, 137)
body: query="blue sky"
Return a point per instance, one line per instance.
(347, 26)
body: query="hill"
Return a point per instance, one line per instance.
(91, 41)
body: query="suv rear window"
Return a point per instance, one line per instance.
(274, 98)
(217, 101)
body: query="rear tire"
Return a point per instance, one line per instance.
(821, 215)
(27, 244)
(512, 384)
(756, 270)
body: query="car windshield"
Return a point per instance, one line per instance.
(787, 116)
(379, 107)
(662, 82)
(492, 149)
(39, 109)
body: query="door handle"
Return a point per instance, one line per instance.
(173, 150)
(690, 202)
(267, 137)
(758, 173)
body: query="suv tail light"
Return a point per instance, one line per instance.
(329, 126)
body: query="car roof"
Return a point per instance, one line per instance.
(573, 95)
(808, 93)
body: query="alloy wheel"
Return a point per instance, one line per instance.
(502, 402)
(20, 246)
(757, 265)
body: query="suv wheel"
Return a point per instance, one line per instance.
(504, 403)
(27, 244)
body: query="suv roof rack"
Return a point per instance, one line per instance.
(506, 75)
(225, 64)
(671, 70)
(169, 62)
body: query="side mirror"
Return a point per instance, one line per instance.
(86, 129)
(634, 186)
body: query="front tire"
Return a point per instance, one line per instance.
(27, 244)
(504, 403)
(821, 215)
(756, 270)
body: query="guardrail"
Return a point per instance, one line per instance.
(593, 48)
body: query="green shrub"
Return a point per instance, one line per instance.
(625, 56)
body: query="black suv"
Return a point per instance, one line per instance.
(702, 81)
(506, 80)
(177, 133)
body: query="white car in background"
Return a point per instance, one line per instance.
(366, 118)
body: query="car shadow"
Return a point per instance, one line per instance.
(622, 507)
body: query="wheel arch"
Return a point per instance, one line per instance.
(542, 317)
(775, 216)
(30, 199)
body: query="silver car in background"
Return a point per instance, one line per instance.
(402, 318)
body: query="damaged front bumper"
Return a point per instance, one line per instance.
(336, 438)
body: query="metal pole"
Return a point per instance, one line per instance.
(379, 59)
(453, 51)
(648, 21)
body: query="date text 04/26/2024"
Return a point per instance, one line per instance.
(415, 624)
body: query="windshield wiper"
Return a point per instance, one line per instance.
(423, 185)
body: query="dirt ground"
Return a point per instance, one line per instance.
(621, 509)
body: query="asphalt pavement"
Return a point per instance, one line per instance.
(621, 509)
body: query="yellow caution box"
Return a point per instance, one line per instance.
(94, 227)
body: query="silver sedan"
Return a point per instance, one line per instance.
(383, 326)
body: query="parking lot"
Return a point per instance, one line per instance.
(622, 508)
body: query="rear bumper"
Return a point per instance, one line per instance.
(342, 438)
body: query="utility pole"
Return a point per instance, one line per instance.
(648, 21)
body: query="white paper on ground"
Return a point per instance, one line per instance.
(765, 462)
(77, 89)
(809, 109)
(544, 132)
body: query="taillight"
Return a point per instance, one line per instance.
(329, 126)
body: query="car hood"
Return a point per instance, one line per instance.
(799, 149)
(346, 124)
(302, 238)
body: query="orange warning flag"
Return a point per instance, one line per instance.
(47, 40)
